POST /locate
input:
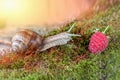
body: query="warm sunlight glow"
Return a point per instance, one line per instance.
(34, 12)
(9, 7)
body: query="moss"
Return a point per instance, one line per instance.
(73, 61)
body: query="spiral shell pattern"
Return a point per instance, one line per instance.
(26, 40)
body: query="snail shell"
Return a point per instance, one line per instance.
(5, 48)
(26, 40)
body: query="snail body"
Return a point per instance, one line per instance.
(59, 39)
(28, 41)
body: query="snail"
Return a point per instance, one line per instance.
(28, 41)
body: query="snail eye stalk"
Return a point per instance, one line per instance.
(73, 25)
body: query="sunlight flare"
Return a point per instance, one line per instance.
(9, 7)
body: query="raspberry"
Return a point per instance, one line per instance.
(98, 43)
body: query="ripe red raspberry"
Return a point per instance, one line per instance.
(98, 42)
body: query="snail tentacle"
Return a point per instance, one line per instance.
(28, 41)
(59, 39)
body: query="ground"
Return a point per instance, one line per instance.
(72, 61)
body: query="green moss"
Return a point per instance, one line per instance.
(73, 61)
